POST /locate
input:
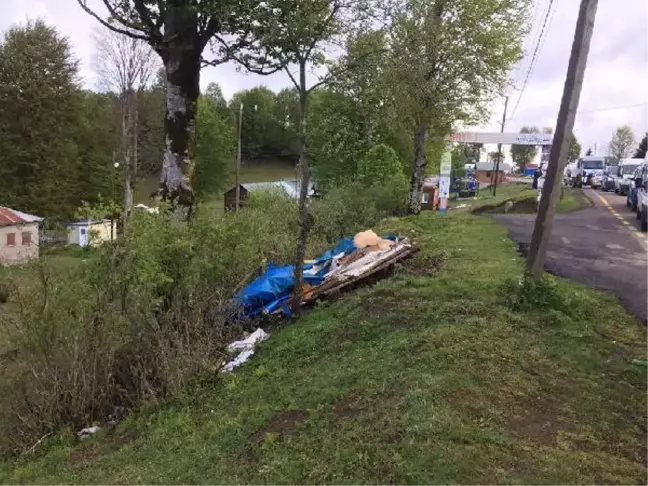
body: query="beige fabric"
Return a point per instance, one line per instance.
(369, 238)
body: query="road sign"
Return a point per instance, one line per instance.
(503, 138)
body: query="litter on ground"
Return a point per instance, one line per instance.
(352, 260)
(88, 431)
(246, 346)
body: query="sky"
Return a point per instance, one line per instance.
(614, 91)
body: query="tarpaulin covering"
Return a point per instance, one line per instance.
(271, 291)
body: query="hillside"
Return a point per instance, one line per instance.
(446, 372)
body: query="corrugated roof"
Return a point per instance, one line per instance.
(10, 216)
(290, 187)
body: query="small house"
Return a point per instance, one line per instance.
(430, 194)
(289, 187)
(18, 236)
(485, 172)
(91, 232)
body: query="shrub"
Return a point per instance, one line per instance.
(380, 165)
(133, 321)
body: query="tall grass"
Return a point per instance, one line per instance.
(142, 316)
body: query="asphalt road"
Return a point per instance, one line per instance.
(600, 246)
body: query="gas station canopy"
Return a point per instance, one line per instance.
(503, 138)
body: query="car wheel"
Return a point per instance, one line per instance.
(644, 220)
(638, 213)
(628, 203)
(616, 191)
(633, 206)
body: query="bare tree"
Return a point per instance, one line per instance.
(125, 66)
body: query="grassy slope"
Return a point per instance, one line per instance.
(425, 377)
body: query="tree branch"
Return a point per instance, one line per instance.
(294, 81)
(145, 15)
(129, 33)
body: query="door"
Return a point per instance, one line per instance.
(83, 237)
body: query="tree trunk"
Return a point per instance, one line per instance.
(126, 154)
(181, 58)
(418, 168)
(304, 215)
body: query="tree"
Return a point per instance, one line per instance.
(296, 33)
(125, 66)
(522, 154)
(445, 67)
(41, 103)
(621, 144)
(260, 129)
(574, 149)
(641, 150)
(179, 31)
(380, 165)
(215, 144)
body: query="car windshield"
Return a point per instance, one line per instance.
(628, 169)
(593, 164)
(612, 170)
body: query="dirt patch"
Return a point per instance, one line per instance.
(353, 403)
(422, 265)
(538, 423)
(81, 456)
(284, 424)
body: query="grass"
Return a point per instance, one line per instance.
(446, 372)
(524, 199)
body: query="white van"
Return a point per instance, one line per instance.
(623, 181)
(588, 168)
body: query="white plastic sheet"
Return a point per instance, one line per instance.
(246, 346)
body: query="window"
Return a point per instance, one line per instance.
(425, 198)
(11, 239)
(83, 231)
(26, 238)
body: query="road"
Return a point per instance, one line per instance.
(600, 246)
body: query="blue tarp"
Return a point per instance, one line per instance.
(272, 290)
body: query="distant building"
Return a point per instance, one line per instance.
(93, 233)
(289, 187)
(485, 172)
(18, 236)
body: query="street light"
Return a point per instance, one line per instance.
(112, 208)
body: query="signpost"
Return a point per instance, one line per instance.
(444, 178)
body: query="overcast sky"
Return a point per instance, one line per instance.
(616, 76)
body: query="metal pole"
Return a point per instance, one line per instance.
(499, 147)
(560, 147)
(238, 158)
(112, 202)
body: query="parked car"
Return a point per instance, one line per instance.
(642, 197)
(624, 178)
(609, 178)
(631, 198)
(586, 169)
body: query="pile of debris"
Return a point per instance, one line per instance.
(352, 260)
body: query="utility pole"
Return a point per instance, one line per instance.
(499, 147)
(238, 158)
(564, 127)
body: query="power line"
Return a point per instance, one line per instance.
(613, 108)
(534, 57)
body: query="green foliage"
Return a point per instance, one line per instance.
(429, 376)
(575, 149)
(41, 101)
(215, 145)
(641, 149)
(620, 146)
(380, 165)
(523, 154)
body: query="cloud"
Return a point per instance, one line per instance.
(616, 73)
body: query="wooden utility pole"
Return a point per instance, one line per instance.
(238, 158)
(560, 146)
(499, 147)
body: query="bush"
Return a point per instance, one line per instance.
(135, 320)
(380, 165)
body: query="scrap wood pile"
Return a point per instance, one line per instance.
(351, 261)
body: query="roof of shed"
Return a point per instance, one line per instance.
(10, 216)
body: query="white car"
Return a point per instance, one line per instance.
(588, 168)
(623, 180)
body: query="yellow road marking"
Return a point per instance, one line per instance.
(621, 219)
